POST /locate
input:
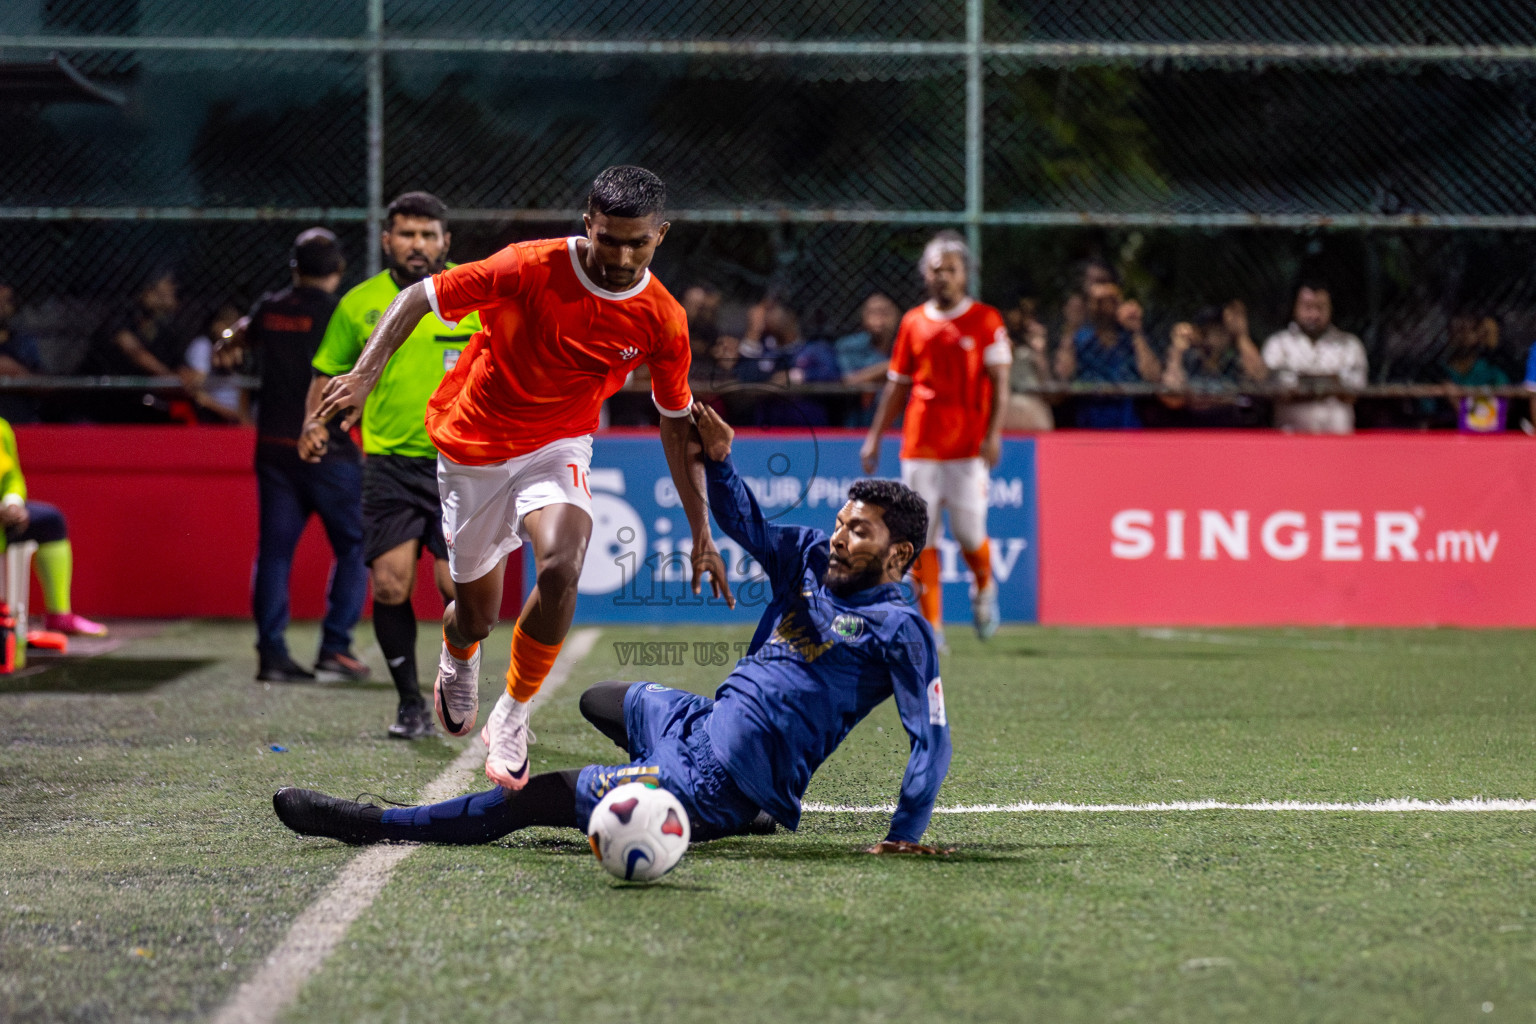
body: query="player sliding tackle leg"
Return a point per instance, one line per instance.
(565, 321)
(837, 641)
(951, 356)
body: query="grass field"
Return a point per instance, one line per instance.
(144, 875)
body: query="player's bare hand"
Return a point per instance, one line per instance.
(869, 454)
(707, 559)
(714, 433)
(1130, 316)
(903, 846)
(344, 395)
(992, 450)
(14, 517)
(1234, 317)
(1182, 336)
(314, 440)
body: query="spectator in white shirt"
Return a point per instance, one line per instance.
(1311, 349)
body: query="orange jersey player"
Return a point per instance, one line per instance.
(564, 321)
(951, 359)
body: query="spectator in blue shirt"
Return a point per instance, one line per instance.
(864, 356)
(773, 352)
(1110, 348)
(19, 357)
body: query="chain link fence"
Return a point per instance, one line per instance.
(1208, 150)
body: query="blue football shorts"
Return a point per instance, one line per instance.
(670, 749)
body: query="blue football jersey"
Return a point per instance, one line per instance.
(817, 665)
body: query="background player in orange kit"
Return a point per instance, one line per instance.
(564, 322)
(951, 356)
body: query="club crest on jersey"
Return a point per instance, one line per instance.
(628, 352)
(848, 626)
(936, 703)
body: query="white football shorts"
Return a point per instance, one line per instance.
(484, 506)
(959, 485)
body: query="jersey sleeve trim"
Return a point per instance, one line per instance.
(675, 414)
(1000, 352)
(432, 301)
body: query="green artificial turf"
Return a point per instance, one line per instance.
(136, 821)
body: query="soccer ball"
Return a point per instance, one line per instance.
(638, 832)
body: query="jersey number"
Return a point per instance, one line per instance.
(579, 477)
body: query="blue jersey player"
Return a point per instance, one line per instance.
(836, 640)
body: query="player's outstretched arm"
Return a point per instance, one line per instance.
(685, 462)
(893, 399)
(778, 549)
(347, 393)
(914, 667)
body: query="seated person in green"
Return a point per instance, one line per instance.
(25, 520)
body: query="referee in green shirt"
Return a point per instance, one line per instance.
(401, 510)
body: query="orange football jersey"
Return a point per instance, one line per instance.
(552, 347)
(944, 356)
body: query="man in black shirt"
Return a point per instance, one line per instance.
(140, 341)
(283, 331)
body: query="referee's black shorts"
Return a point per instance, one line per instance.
(400, 503)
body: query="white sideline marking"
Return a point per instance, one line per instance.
(315, 932)
(1476, 804)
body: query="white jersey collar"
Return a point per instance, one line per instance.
(932, 312)
(603, 293)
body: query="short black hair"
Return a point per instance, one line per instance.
(416, 204)
(1311, 284)
(903, 509)
(627, 191)
(316, 253)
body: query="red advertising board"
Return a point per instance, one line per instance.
(1269, 529)
(163, 521)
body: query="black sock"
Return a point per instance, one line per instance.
(548, 799)
(395, 626)
(602, 704)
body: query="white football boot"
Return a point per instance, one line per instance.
(507, 737)
(456, 694)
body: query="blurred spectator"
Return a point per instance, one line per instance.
(1214, 349)
(1468, 363)
(222, 402)
(1074, 311)
(1110, 348)
(1312, 350)
(54, 562)
(19, 357)
(773, 352)
(139, 341)
(863, 356)
(1031, 368)
(701, 303)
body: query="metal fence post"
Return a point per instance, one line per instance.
(975, 98)
(375, 133)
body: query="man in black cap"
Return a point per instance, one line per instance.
(283, 331)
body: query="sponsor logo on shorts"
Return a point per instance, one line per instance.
(936, 703)
(657, 687)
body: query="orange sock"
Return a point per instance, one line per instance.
(531, 662)
(930, 598)
(462, 653)
(980, 562)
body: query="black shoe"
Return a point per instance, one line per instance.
(762, 825)
(413, 721)
(283, 670)
(315, 814)
(340, 667)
